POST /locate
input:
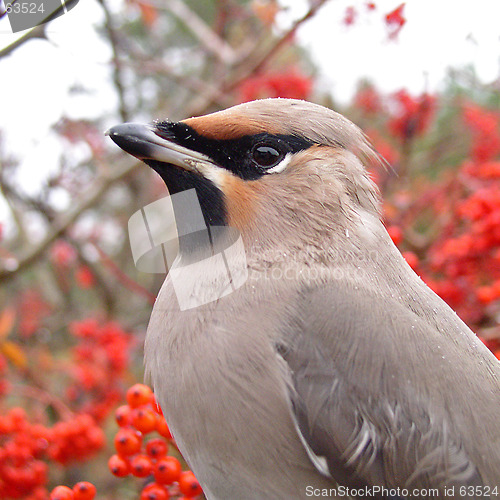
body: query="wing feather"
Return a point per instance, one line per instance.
(373, 399)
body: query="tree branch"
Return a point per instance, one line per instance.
(125, 280)
(255, 61)
(45, 397)
(60, 225)
(206, 36)
(36, 32)
(156, 67)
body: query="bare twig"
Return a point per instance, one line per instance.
(207, 37)
(102, 285)
(198, 86)
(49, 214)
(117, 66)
(17, 217)
(123, 278)
(255, 61)
(45, 397)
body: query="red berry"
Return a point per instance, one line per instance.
(127, 442)
(84, 491)
(139, 394)
(18, 418)
(118, 466)
(156, 406)
(167, 470)
(412, 259)
(84, 277)
(38, 493)
(162, 428)
(156, 448)
(62, 493)
(154, 491)
(141, 466)
(189, 485)
(122, 415)
(396, 234)
(144, 419)
(39, 472)
(486, 294)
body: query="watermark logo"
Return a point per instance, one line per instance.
(24, 14)
(205, 263)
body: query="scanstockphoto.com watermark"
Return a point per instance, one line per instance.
(317, 273)
(206, 263)
(26, 14)
(370, 491)
(382, 491)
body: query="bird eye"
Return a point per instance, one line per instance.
(266, 156)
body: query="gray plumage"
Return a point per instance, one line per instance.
(334, 363)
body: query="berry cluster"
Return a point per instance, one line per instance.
(368, 100)
(76, 439)
(466, 258)
(25, 446)
(449, 230)
(141, 458)
(412, 115)
(484, 127)
(395, 21)
(460, 260)
(408, 116)
(101, 358)
(32, 309)
(81, 491)
(22, 445)
(290, 84)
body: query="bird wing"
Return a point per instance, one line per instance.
(376, 392)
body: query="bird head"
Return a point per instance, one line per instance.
(274, 169)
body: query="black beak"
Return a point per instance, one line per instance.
(162, 154)
(136, 139)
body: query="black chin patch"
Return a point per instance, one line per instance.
(231, 154)
(210, 197)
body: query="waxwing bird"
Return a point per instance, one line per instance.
(333, 365)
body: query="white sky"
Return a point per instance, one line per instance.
(439, 34)
(39, 76)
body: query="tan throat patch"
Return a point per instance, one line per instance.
(241, 201)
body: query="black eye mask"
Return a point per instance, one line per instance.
(248, 157)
